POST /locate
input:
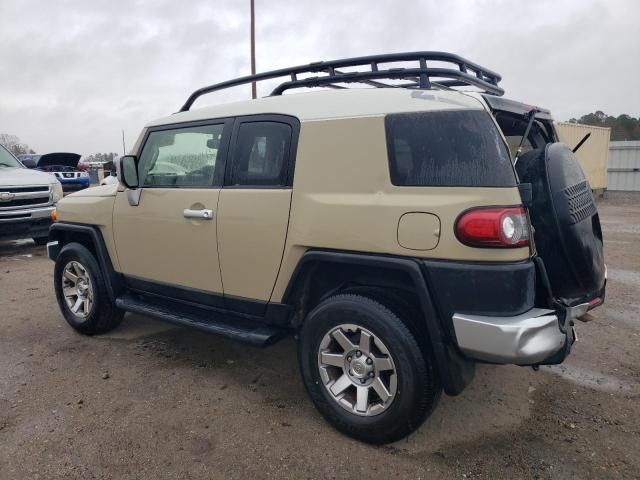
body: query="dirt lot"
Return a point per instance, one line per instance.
(153, 401)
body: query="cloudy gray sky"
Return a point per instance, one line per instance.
(74, 73)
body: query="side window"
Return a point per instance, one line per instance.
(261, 154)
(457, 148)
(182, 157)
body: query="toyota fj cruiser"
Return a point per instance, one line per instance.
(389, 228)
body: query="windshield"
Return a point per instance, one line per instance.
(8, 160)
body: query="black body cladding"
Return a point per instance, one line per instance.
(566, 222)
(505, 289)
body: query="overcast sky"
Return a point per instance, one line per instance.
(74, 73)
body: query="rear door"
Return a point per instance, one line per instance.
(512, 117)
(253, 212)
(167, 243)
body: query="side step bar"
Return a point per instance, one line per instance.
(234, 327)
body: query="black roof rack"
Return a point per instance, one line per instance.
(460, 73)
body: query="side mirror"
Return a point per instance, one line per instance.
(213, 143)
(127, 171)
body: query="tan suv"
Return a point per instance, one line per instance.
(388, 227)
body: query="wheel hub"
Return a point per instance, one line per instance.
(360, 368)
(82, 286)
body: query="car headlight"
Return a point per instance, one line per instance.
(84, 174)
(56, 192)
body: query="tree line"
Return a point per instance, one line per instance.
(623, 127)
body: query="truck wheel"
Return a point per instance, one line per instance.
(364, 369)
(81, 292)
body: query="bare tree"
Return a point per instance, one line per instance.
(100, 157)
(14, 145)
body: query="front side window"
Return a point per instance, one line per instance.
(448, 148)
(261, 155)
(185, 157)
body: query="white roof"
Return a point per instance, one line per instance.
(331, 104)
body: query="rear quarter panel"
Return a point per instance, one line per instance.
(343, 199)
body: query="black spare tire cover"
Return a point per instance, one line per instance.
(567, 235)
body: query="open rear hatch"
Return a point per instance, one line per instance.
(564, 216)
(61, 159)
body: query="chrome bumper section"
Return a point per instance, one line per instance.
(525, 339)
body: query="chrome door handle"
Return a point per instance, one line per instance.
(205, 213)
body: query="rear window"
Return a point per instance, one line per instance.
(447, 149)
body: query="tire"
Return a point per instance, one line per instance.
(417, 386)
(41, 241)
(101, 314)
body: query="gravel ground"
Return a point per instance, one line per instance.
(153, 401)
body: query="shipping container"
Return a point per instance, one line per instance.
(593, 155)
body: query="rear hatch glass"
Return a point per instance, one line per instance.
(449, 148)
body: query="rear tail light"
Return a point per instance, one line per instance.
(494, 227)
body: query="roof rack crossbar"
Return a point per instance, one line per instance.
(423, 76)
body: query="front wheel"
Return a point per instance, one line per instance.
(82, 293)
(364, 369)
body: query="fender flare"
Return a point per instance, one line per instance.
(455, 372)
(63, 233)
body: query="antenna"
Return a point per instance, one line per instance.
(253, 48)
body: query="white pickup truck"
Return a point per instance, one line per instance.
(27, 198)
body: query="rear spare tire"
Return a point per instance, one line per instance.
(566, 224)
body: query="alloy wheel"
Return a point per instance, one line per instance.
(77, 289)
(357, 370)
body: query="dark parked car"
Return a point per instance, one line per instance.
(29, 160)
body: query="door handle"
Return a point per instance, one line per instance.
(205, 214)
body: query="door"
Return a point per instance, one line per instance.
(254, 209)
(169, 238)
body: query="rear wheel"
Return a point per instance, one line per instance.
(81, 292)
(364, 369)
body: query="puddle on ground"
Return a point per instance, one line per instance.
(619, 242)
(588, 378)
(629, 277)
(619, 227)
(17, 248)
(629, 316)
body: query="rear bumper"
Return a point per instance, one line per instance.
(26, 223)
(538, 336)
(500, 313)
(526, 339)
